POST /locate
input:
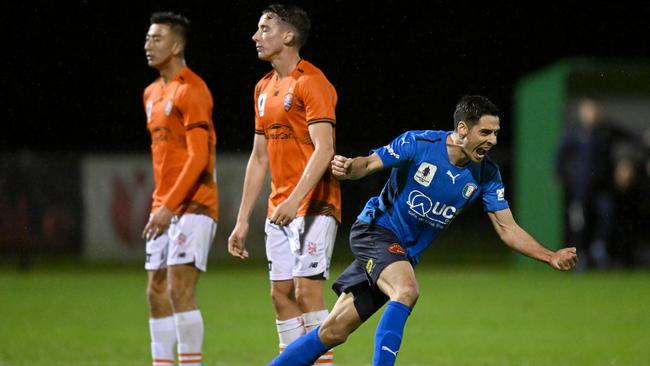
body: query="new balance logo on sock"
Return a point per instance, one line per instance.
(394, 353)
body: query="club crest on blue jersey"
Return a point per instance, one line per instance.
(425, 174)
(288, 101)
(468, 190)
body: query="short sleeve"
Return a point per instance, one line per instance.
(399, 151)
(195, 105)
(319, 98)
(494, 194)
(258, 101)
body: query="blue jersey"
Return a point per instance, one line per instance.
(425, 191)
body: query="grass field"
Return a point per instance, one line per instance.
(465, 316)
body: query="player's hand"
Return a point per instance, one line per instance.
(158, 223)
(341, 167)
(564, 259)
(237, 241)
(285, 212)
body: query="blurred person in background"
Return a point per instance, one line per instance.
(295, 139)
(184, 210)
(632, 182)
(592, 177)
(434, 176)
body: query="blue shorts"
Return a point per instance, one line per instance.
(374, 248)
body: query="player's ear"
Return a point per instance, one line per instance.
(178, 47)
(462, 129)
(289, 37)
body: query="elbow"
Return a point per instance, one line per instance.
(326, 151)
(200, 160)
(259, 160)
(507, 237)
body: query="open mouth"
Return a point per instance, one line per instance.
(481, 152)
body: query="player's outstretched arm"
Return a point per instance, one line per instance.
(521, 241)
(355, 168)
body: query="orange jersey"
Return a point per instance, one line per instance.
(183, 144)
(284, 109)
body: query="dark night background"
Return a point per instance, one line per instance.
(75, 71)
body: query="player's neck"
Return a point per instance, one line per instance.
(285, 64)
(455, 150)
(169, 70)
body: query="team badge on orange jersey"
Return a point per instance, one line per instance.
(396, 249)
(149, 108)
(168, 107)
(288, 101)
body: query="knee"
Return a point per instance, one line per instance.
(408, 294)
(305, 297)
(280, 298)
(332, 335)
(157, 295)
(180, 295)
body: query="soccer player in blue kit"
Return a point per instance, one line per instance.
(434, 176)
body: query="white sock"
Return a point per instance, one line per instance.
(163, 340)
(189, 329)
(289, 330)
(312, 320)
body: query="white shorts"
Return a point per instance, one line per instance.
(187, 239)
(300, 249)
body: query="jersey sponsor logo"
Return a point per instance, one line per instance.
(425, 174)
(313, 265)
(421, 205)
(149, 108)
(396, 249)
(391, 152)
(468, 190)
(278, 131)
(261, 101)
(370, 265)
(453, 177)
(168, 107)
(288, 101)
(501, 194)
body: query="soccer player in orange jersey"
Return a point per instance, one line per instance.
(294, 137)
(184, 210)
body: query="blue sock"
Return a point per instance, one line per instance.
(388, 335)
(301, 352)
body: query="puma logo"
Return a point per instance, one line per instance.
(453, 177)
(394, 353)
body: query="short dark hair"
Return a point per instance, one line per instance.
(471, 108)
(178, 23)
(295, 17)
